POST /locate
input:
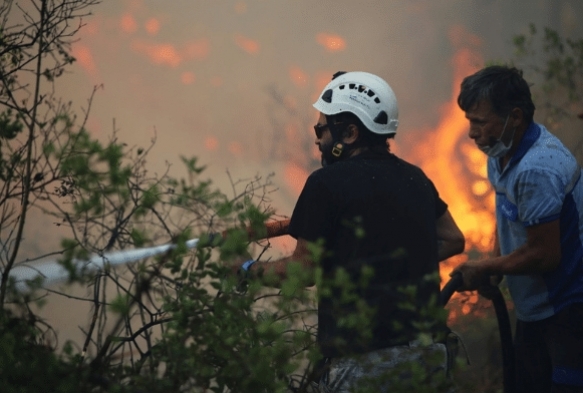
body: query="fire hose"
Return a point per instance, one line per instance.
(494, 294)
(53, 272)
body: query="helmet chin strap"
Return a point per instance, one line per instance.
(336, 150)
(332, 152)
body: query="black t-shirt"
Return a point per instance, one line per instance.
(377, 211)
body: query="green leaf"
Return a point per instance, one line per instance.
(120, 304)
(9, 127)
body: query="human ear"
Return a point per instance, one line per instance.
(516, 117)
(350, 134)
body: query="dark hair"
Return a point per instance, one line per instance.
(366, 138)
(501, 86)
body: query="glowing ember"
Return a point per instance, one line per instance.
(170, 55)
(187, 78)
(211, 143)
(248, 45)
(332, 42)
(152, 26)
(298, 77)
(84, 58)
(164, 54)
(128, 24)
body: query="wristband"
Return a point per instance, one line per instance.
(247, 265)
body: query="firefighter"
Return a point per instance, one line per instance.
(369, 209)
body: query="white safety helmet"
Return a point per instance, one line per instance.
(367, 96)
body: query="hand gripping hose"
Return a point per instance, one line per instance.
(493, 293)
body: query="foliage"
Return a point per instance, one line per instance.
(562, 60)
(20, 355)
(555, 64)
(176, 322)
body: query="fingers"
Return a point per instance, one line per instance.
(472, 274)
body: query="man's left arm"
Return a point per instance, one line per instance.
(450, 239)
(541, 253)
(278, 269)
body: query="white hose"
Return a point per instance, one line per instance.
(54, 273)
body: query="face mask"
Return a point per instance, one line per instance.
(496, 147)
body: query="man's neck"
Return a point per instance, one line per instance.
(518, 135)
(357, 151)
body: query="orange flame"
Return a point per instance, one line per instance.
(457, 168)
(332, 42)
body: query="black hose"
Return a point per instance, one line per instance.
(508, 363)
(448, 290)
(504, 329)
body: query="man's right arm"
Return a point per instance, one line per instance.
(450, 239)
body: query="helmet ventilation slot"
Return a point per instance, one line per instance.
(327, 96)
(382, 118)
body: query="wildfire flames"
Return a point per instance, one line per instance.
(457, 167)
(331, 42)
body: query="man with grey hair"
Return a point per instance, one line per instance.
(539, 238)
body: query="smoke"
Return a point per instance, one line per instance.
(232, 82)
(199, 73)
